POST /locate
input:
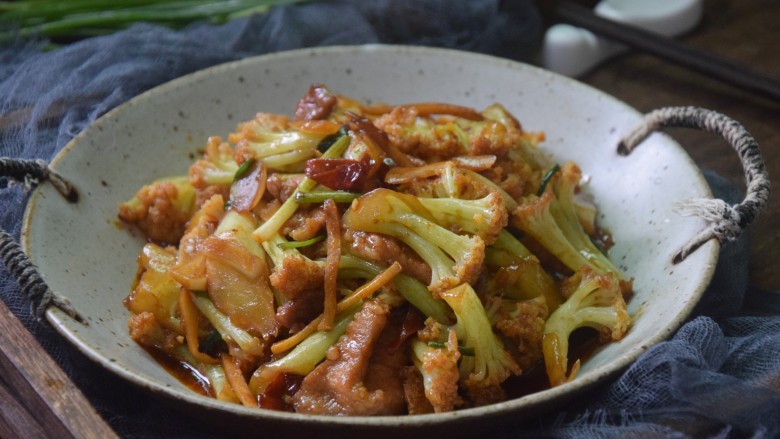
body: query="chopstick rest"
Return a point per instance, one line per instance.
(725, 222)
(30, 173)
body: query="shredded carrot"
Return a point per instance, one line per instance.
(237, 381)
(189, 321)
(365, 290)
(323, 127)
(333, 229)
(431, 108)
(293, 340)
(377, 109)
(370, 287)
(427, 109)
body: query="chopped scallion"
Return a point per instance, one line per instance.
(546, 179)
(465, 350)
(213, 344)
(244, 168)
(298, 244)
(320, 197)
(330, 140)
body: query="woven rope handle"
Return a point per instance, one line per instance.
(30, 173)
(724, 222)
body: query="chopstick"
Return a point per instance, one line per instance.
(670, 50)
(38, 398)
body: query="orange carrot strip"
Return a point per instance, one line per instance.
(293, 340)
(430, 108)
(365, 290)
(237, 381)
(189, 321)
(377, 109)
(325, 127)
(333, 229)
(427, 109)
(369, 288)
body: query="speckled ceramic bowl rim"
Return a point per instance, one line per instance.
(540, 399)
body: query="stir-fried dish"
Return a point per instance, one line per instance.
(372, 260)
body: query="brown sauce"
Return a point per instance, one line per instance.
(583, 343)
(185, 373)
(278, 395)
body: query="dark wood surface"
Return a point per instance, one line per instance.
(37, 399)
(746, 32)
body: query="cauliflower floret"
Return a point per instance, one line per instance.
(161, 209)
(439, 369)
(596, 303)
(455, 131)
(521, 323)
(215, 172)
(453, 258)
(147, 331)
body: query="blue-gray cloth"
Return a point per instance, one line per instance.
(713, 378)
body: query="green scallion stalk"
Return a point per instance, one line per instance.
(80, 18)
(327, 142)
(465, 350)
(321, 196)
(243, 169)
(290, 205)
(547, 177)
(299, 244)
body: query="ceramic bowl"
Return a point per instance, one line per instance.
(84, 255)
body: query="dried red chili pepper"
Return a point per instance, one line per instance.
(413, 322)
(337, 174)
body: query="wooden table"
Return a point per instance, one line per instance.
(746, 32)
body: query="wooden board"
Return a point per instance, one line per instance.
(37, 399)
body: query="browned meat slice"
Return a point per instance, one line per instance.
(317, 103)
(146, 330)
(282, 187)
(158, 212)
(336, 387)
(300, 309)
(385, 250)
(384, 369)
(305, 223)
(414, 392)
(296, 274)
(299, 280)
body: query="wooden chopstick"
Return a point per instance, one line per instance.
(38, 398)
(670, 50)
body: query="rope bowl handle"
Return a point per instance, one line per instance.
(21, 268)
(724, 222)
